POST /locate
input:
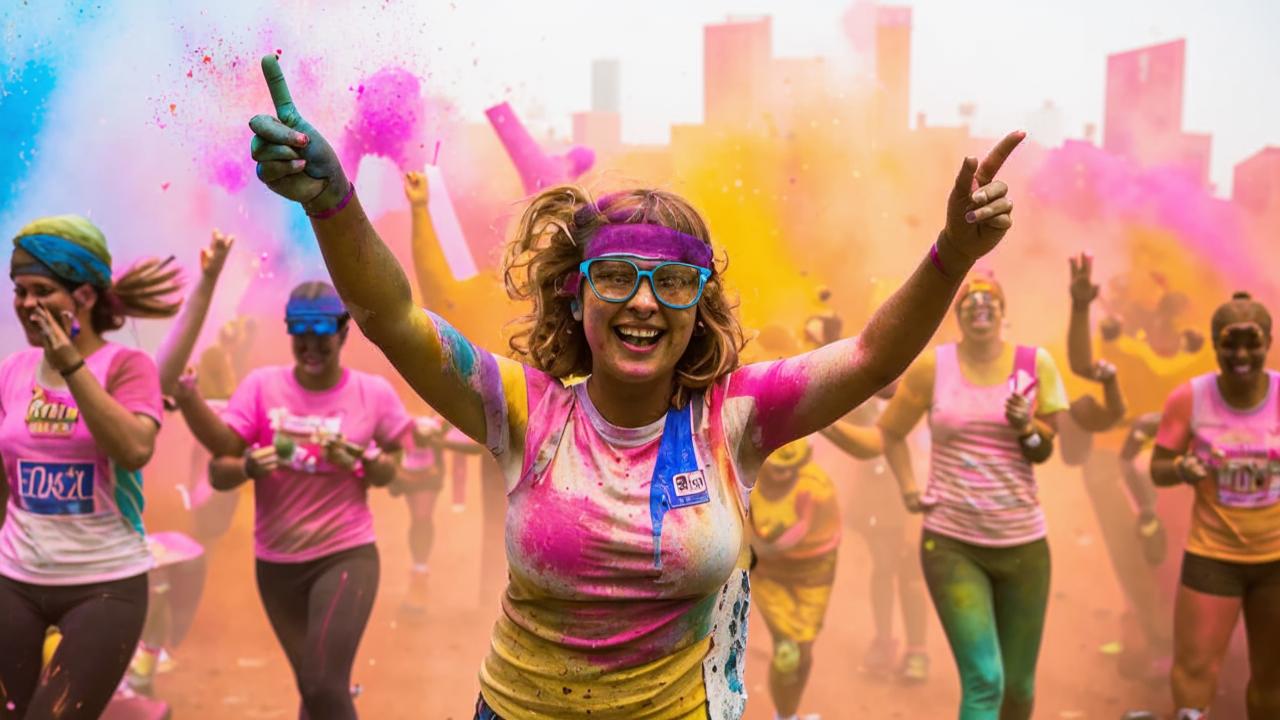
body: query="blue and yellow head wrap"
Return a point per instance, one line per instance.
(67, 248)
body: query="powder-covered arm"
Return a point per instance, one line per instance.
(798, 396)
(123, 412)
(457, 378)
(209, 428)
(175, 350)
(860, 441)
(1083, 293)
(227, 473)
(1097, 417)
(910, 403)
(1172, 461)
(1087, 412)
(123, 415)
(429, 264)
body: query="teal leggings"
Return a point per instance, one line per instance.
(991, 602)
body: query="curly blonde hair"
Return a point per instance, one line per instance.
(545, 252)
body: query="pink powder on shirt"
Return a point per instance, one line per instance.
(308, 508)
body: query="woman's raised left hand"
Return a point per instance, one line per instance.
(979, 211)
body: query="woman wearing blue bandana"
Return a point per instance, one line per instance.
(313, 437)
(628, 595)
(78, 421)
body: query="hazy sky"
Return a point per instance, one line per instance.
(1007, 58)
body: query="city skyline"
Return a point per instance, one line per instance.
(1058, 54)
(744, 82)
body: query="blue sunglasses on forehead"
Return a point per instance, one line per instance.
(315, 316)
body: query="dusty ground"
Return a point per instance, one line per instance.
(230, 666)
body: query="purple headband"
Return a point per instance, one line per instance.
(642, 240)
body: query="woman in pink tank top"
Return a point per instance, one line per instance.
(1220, 433)
(992, 411)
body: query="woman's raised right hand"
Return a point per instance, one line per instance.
(416, 190)
(294, 160)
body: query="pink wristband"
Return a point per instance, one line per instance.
(937, 260)
(326, 214)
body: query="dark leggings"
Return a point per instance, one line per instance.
(318, 610)
(100, 625)
(991, 602)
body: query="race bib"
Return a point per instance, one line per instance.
(56, 488)
(1247, 483)
(690, 488)
(300, 439)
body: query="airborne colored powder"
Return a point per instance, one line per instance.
(387, 120)
(789, 159)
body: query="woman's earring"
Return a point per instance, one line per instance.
(575, 309)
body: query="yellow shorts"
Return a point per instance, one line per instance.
(791, 611)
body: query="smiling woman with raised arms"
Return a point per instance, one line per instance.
(628, 592)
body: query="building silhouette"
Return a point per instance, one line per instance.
(736, 71)
(1142, 121)
(1256, 185)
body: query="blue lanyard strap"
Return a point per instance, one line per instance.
(678, 479)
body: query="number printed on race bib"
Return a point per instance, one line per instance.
(1246, 483)
(56, 488)
(689, 484)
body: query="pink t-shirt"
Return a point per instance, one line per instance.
(308, 508)
(73, 517)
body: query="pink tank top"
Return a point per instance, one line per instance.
(1242, 446)
(982, 490)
